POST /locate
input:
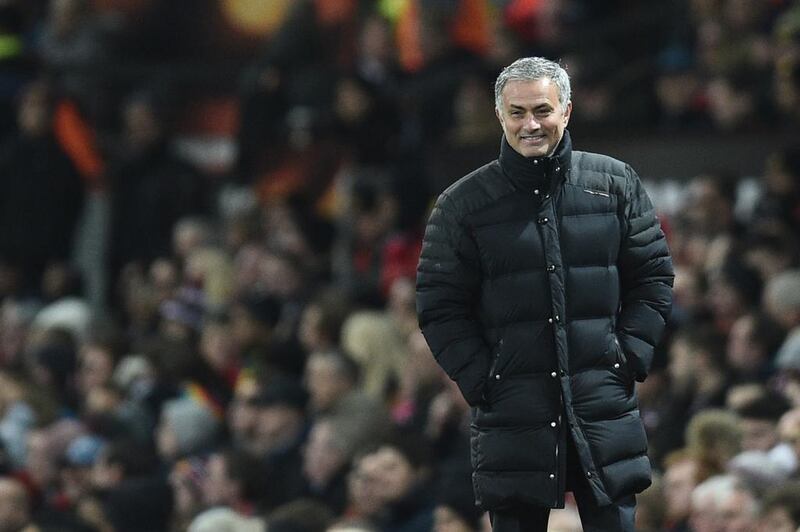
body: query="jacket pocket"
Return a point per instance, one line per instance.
(621, 364)
(497, 351)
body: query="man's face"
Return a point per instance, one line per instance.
(533, 120)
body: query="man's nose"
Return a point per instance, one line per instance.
(531, 123)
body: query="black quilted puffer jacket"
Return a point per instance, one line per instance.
(542, 289)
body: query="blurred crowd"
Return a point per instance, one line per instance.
(200, 346)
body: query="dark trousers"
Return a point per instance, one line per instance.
(616, 517)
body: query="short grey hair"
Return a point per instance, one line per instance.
(533, 68)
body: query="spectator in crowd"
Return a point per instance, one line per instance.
(326, 461)
(390, 485)
(72, 46)
(713, 437)
(770, 249)
(373, 340)
(119, 461)
(139, 504)
(233, 481)
(780, 509)
(752, 341)
(680, 480)
(187, 426)
(332, 382)
(187, 479)
(783, 304)
(254, 325)
(758, 420)
(733, 288)
(780, 199)
(151, 188)
(15, 506)
(650, 510)
(78, 461)
(321, 323)
(373, 218)
(455, 511)
(42, 192)
(300, 514)
(281, 429)
(723, 503)
(190, 234)
(789, 431)
(698, 381)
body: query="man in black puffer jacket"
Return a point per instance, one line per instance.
(543, 287)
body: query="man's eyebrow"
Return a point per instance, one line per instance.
(537, 106)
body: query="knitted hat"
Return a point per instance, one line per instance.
(195, 425)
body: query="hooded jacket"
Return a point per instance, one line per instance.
(543, 286)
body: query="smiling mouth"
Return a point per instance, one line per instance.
(532, 138)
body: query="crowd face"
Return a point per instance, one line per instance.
(104, 474)
(65, 17)
(322, 457)
(532, 117)
(446, 520)
(738, 512)
(379, 479)
(95, 367)
(219, 488)
(310, 335)
(142, 127)
(166, 440)
(679, 481)
(392, 472)
(243, 415)
(34, 113)
(13, 505)
(325, 383)
(277, 426)
(777, 520)
(758, 434)
(40, 464)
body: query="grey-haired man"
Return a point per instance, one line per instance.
(543, 286)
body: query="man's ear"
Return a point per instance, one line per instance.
(568, 113)
(499, 115)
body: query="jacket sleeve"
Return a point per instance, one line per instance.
(448, 284)
(646, 277)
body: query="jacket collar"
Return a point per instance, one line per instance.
(536, 172)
